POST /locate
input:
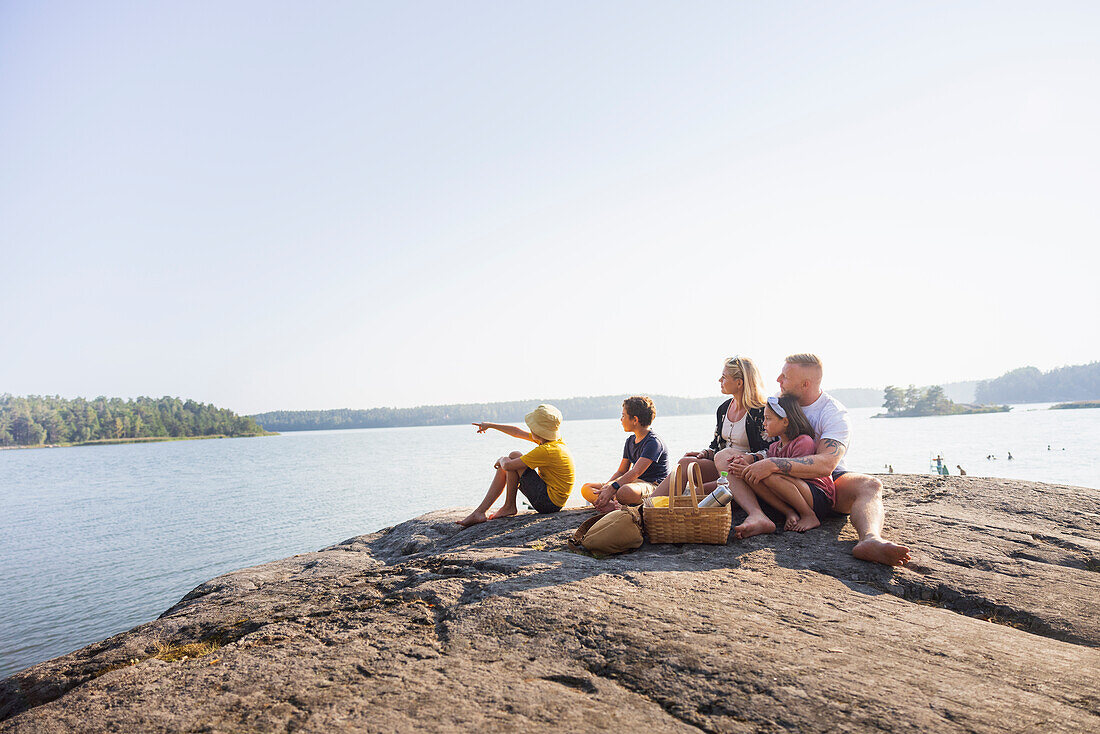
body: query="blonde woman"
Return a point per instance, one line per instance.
(740, 426)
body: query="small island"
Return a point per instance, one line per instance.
(914, 402)
(41, 421)
(1078, 405)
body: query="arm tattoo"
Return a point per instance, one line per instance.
(784, 465)
(832, 447)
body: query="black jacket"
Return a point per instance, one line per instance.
(754, 427)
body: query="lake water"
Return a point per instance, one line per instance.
(95, 540)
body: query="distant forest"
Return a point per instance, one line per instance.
(1080, 382)
(37, 420)
(1029, 385)
(603, 406)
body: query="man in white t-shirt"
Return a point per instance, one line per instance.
(857, 495)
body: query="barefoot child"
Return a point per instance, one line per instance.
(805, 502)
(547, 487)
(644, 464)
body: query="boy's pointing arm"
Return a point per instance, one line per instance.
(504, 428)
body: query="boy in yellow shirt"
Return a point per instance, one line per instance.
(547, 488)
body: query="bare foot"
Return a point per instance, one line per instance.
(473, 518)
(503, 512)
(807, 523)
(760, 525)
(875, 549)
(792, 521)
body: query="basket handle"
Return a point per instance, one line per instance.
(675, 488)
(694, 480)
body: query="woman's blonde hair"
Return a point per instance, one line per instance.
(752, 390)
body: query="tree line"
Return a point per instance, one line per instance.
(35, 420)
(1030, 385)
(603, 406)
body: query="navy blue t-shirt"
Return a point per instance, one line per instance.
(652, 448)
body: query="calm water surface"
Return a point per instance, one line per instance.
(95, 540)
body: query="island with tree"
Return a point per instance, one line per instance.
(912, 402)
(55, 421)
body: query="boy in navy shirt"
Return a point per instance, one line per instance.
(645, 459)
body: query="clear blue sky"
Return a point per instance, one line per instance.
(295, 205)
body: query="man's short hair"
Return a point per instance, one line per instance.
(808, 361)
(642, 408)
(805, 359)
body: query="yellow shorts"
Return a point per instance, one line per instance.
(645, 489)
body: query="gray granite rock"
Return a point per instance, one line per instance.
(425, 626)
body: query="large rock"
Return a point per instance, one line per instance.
(425, 626)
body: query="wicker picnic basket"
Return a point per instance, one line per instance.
(684, 521)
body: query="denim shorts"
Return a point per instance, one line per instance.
(534, 489)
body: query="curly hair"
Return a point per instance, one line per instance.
(642, 408)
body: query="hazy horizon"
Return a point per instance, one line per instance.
(419, 405)
(768, 388)
(272, 206)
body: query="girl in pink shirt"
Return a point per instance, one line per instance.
(805, 502)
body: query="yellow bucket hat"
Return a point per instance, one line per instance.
(545, 422)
